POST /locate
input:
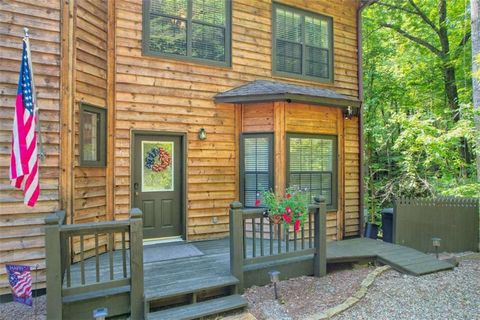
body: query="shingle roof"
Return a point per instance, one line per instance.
(266, 90)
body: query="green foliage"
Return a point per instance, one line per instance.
(291, 208)
(412, 142)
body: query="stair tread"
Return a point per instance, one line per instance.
(95, 294)
(185, 286)
(200, 309)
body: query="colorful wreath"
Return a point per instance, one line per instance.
(158, 159)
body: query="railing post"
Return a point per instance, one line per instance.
(236, 243)
(136, 265)
(320, 234)
(53, 266)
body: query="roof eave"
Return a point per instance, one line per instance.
(324, 101)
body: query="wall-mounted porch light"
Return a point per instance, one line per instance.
(274, 278)
(436, 244)
(202, 134)
(348, 113)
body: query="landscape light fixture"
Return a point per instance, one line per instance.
(274, 278)
(436, 244)
(202, 134)
(100, 313)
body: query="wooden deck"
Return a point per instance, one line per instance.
(402, 259)
(184, 288)
(164, 276)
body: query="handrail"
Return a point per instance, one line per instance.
(59, 238)
(91, 228)
(250, 232)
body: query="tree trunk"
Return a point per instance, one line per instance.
(475, 8)
(451, 90)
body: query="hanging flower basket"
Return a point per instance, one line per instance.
(292, 209)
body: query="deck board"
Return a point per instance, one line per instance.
(161, 275)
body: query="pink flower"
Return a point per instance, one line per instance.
(289, 211)
(287, 218)
(296, 226)
(288, 196)
(257, 202)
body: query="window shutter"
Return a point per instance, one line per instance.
(257, 167)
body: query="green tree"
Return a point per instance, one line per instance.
(418, 107)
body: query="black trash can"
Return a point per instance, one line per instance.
(387, 224)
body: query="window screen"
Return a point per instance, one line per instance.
(257, 166)
(302, 43)
(312, 166)
(196, 29)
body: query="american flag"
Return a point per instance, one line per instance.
(24, 159)
(20, 279)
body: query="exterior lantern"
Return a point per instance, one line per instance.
(202, 134)
(348, 113)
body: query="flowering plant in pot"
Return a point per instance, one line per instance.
(291, 209)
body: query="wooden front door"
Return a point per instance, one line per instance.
(157, 183)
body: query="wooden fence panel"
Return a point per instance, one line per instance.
(454, 220)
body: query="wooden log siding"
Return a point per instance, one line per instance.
(161, 94)
(352, 176)
(90, 43)
(314, 119)
(21, 228)
(89, 69)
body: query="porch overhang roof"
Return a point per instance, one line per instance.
(267, 90)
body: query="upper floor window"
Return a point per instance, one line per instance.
(190, 29)
(302, 44)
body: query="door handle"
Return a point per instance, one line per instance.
(135, 188)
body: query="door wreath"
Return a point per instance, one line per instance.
(158, 159)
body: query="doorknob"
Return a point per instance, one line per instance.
(135, 188)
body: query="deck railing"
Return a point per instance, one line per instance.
(257, 241)
(68, 283)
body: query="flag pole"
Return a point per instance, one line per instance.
(41, 153)
(35, 302)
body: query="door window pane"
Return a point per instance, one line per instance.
(157, 169)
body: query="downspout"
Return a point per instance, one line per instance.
(363, 5)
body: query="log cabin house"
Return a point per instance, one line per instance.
(238, 97)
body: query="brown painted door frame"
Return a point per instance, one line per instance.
(135, 134)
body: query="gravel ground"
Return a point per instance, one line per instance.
(444, 295)
(18, 311)
(303, 296)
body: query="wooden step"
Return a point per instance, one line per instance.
(187, 286)
(95, 294)
(200, 309)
